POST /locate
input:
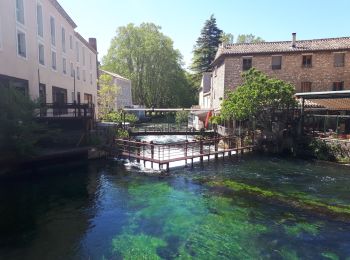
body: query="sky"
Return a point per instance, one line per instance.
(182, 20)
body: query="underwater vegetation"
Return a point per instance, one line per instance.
(296, 200)
(167, 223)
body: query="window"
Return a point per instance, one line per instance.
(247, 63)
(41, 54)
(63, 40)
(77, 50)
(78, 73)
(71, 42)
(71, 69)
(64, 65)
(276, 62)
(83, 50)
(91, 78)
(53, 60)
(338, 85)
(90, 62)
(84, 75)
(20, 11)
(53, 31)
(39, 20)
(339, 59)
(307, 61)
(305, 86)
(21, 44)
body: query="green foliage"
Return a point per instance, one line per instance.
(227, 38)
(118, 117)
(322, 151)
(330, 255)
(18, 132)
(248, 38)
(121, 133)
(215, 120)
(206, 46)
(106, 96)
(181, 117)
(259, 96)
(148, 58)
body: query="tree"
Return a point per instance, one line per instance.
(19, 132)
(106, 97)
(260, 97)
(249, 38)
(147, 57)
(227, 38)
(206, 46)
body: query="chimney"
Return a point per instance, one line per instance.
(294, 40)
(93, 43)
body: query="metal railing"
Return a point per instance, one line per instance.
(48, 110)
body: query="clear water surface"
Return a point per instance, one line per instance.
(104, 210)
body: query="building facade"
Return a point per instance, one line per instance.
(42, 55)
(310, 65)
(124, 97)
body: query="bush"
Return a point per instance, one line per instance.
(181, 117)
(118, 117)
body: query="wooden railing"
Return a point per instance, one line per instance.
(164, 154)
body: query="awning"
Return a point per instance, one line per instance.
(331, 100)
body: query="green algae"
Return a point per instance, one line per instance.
(340, 212)
(204, 227)
(137, 246)
(303, 227)
(288, 254)
(330, 255)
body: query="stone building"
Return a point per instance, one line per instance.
(310, 65)
(42, 55)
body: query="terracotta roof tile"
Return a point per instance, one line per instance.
(330, 44)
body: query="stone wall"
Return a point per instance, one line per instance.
(322, 74)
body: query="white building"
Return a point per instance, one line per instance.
(42, 54)
(197, 118)
(124, 97)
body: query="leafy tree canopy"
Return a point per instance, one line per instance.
(148, 58)
(248, 38)
(259, 96)
(206, 46)
(106, 97)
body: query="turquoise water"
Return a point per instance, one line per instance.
(101, 210)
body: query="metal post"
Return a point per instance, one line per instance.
(201, 148)
(186, 146)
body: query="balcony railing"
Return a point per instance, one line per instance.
(68, 110)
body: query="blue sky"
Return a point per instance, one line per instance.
(182, 20)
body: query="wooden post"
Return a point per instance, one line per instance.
(201, 148)
(186, 147)
(152, 153)
(242, 144)
(216, 146)
(138, 148)
(143, 153)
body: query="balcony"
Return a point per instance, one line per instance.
(68, 111)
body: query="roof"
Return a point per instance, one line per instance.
(85, 42)
(114, 75)
(331, 100)
(63, 13)
(328, 44)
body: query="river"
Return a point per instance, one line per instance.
(109, 210)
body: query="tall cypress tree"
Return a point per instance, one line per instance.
(206, 46)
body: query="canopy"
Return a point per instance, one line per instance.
(331, 100)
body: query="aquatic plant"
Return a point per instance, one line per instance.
(339, 212)
(137, 246)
